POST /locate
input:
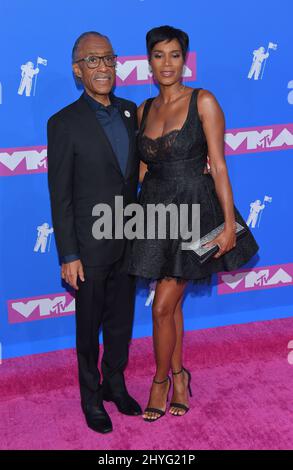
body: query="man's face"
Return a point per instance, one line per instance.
(98, 81)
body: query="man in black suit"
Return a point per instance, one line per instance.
(91, 160)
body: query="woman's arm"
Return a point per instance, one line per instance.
(142, 171)
(213, 122)
(142, 166)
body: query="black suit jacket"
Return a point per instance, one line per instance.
(83, 171)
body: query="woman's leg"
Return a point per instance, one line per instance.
(176, 360)
(180, 381)
(167, 295)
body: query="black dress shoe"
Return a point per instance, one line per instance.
(124, 402)
(98, 419)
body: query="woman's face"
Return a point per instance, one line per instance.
(167, 62)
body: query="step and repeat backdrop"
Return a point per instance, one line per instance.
(242, 55)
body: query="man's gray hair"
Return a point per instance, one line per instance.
(81, 37)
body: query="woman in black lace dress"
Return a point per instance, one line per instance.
(178, 129)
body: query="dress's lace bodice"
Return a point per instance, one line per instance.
(186, 143)
(162, 145)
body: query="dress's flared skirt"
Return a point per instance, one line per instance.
(164, 258)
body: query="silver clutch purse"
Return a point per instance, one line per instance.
(203, 254)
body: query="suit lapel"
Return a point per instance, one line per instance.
(127, 116)
(127, 119)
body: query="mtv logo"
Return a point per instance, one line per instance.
(261, 139)
(134, 70)
(257, 278)
(23, 160)
(40, 308)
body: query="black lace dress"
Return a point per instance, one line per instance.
(175, 175)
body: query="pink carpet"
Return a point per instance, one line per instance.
(242, 396)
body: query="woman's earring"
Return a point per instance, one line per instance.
(150, 79)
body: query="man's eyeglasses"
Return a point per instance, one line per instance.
(94, 61)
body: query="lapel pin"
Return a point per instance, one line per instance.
(127, 113)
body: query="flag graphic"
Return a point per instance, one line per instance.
(42, 61)
(272, 46)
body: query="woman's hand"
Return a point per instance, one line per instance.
(226, 240)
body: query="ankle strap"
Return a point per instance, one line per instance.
(161, 382)
(180, 371)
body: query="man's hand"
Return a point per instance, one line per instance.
(70, 272)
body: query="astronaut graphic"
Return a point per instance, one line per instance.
(28, 72)
(259, 59)
(256, 209)
(44, 231)
(259, 56)
(151, 294)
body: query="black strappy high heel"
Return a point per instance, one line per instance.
(181, 405)
(161, 413)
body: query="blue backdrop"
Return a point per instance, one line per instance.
(242, 55)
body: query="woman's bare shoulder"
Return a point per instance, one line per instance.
(206, 101)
